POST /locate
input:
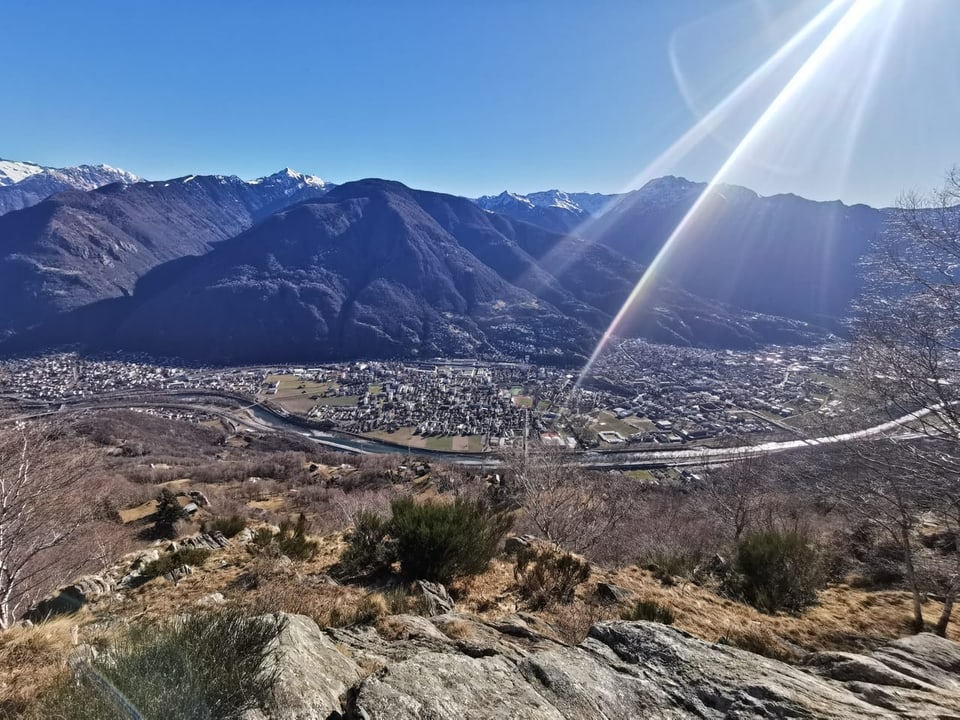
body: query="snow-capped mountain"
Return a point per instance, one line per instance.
(23, 184)
(578, 203)
(553, 209)
(291, 181)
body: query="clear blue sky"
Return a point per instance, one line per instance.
(473, 97)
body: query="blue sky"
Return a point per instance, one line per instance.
(473, 97)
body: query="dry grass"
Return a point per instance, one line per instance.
(844, 619)
(456, 629)
(35, 657)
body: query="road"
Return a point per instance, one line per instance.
(257, 417)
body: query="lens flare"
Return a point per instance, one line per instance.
(845, 27)
(561, 257)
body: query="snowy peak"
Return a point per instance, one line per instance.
(12, 172)
(23, 184)
(83, 177)
(579, 204)
(503, 201)
(91, 177)
(291, 181)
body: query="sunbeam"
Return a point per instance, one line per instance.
(851, 20)
(561, 258)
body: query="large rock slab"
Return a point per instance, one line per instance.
(626, 670)
(313, 673)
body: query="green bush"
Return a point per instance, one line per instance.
(440, 541)
(291, 541)
(202, 667)
(169, 512)
(369, 550)
(229, 526)
(546, 576)
(431, 540)
(776, 571)
(649, 610)
(170, 561)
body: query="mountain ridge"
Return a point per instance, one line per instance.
(376, 269)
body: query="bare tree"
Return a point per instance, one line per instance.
(571, 507)
(907, 364)
(42, 505)
(740, 494)
(908, 322)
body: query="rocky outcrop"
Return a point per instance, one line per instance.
(436, 599)
(313, 674)
(71, 598)
(127, 573)
(456, 666)
(203, 541)
(610, 594)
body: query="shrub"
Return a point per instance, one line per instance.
(291, 541)
(439, 542)
(171, 561)
(649, 610)
(202, 667)
(776, 571)
(169, 512)
(546, 576)
(369, 550)
(431, 540)
(229, 526)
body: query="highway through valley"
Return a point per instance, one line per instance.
(253, 416)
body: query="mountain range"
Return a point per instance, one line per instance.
(288, 267)
(25, 184)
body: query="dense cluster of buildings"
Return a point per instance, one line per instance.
(686, 394)
(432, 400)
(636, 392)
(64, 376)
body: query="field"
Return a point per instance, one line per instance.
(609, 421)
(295, 395)
(405, 436)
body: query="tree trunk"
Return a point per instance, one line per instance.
(911, 574)
(941, 628)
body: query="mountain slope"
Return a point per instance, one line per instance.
(77, 247)
(26, 184)
(781, 255)
(375, 269)
(364, 271)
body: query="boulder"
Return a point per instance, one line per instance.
(71, 598)
(515, 543)
(205, 541)
(312, 673)
(436, 599)
(244, 537)
(610, 594)
(178, 574)
(212, 599)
